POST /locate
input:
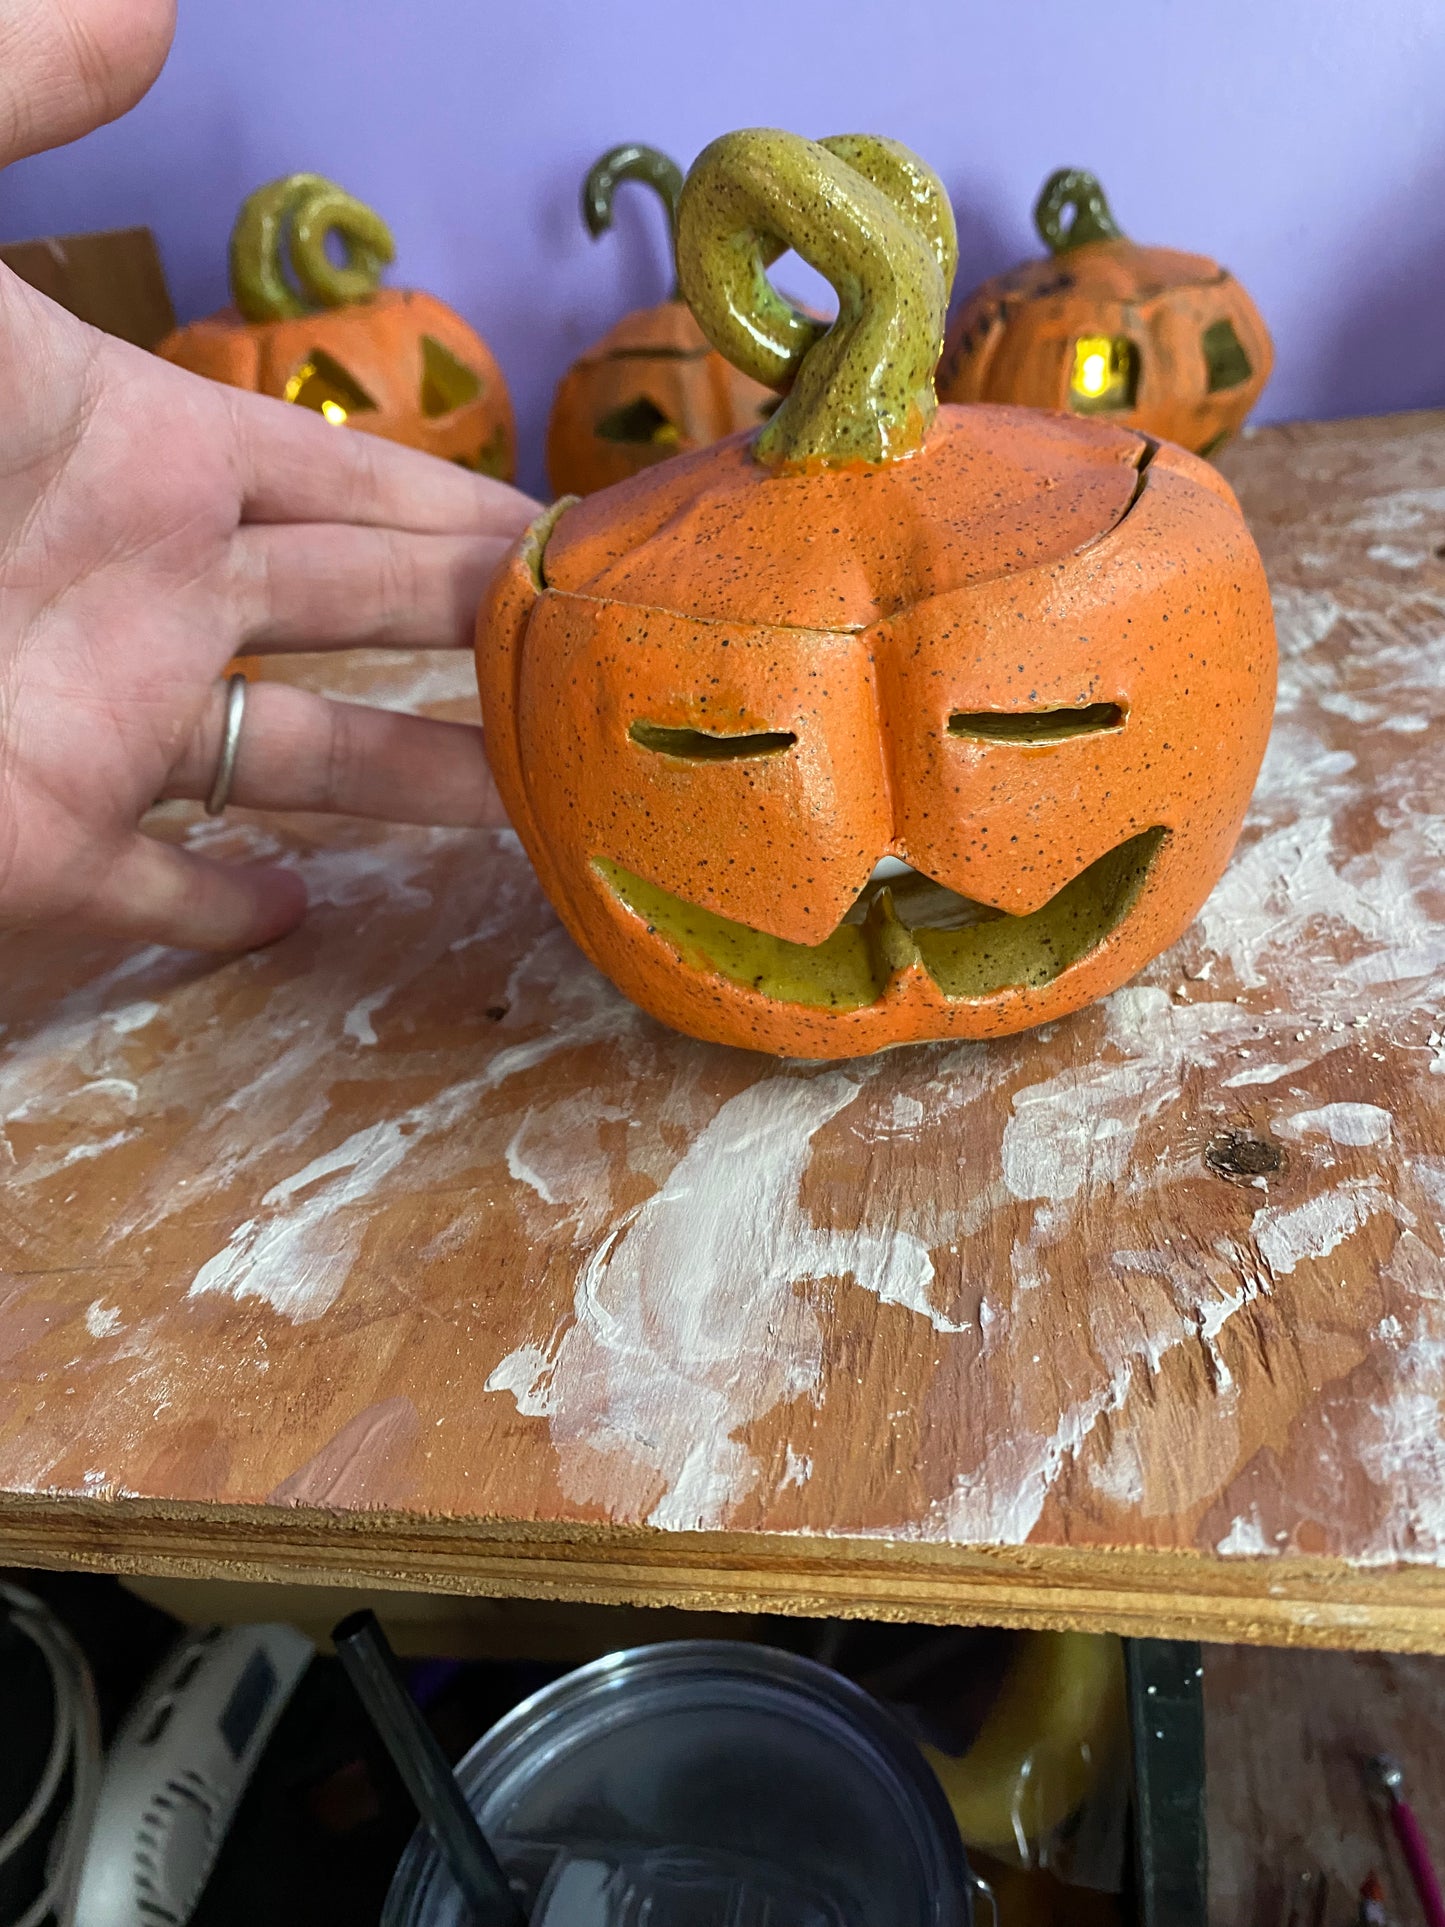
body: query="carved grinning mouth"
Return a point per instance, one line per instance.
(899, 924)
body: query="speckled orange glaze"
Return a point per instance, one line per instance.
(1013, 338)
(658, 355)
(1019, 562)
(379, 343)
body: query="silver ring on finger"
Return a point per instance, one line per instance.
(230, 744)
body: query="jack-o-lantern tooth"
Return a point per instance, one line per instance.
(1029, 656)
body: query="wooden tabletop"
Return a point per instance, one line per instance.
(407, 1252)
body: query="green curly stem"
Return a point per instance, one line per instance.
(871, 218)
(1074, 187)
(631, 162)
(297, 213)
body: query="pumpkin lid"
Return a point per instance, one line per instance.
(719, 536)
(858, 497)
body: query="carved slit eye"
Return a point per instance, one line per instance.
(639, 421)
(702, 746)
(1225, 361)
(1034, 725)
(323, 384)
(446, 383)
(1105, 374)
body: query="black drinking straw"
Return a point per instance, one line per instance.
(371, 1666)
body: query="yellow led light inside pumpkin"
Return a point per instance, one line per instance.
(323, 384)
(1105, 373)
(1093, 374)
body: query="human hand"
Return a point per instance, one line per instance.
(152, 525)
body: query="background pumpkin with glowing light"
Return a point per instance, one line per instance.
(1146, 338)
(392, 362)
(1027, 659)
(653, 386)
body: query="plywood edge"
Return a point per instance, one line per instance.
(1280, 1600)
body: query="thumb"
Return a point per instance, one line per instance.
(67, 66)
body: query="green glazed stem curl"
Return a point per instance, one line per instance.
(296, 214)
(1093, 219)
(631, 162)
(871, 218)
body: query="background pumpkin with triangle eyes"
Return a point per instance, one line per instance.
(393, 362)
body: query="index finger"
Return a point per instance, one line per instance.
(292, 466)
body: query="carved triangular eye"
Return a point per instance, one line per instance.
(1224, 357)
(490, 459)
(446, 383)
(639, 421)
(323, 384)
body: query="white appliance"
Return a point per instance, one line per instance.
(176, 1771)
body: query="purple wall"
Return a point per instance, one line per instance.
(1301, 141)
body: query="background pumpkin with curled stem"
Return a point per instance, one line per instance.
(1146, 338)
(653, 386)
(393, 362)
(1023, 661)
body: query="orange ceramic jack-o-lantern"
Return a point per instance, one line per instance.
(1141, 337)
(390, 361)
(1027, 660)
(653, 386)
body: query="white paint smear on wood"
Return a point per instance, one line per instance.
(1078, 1129)
(1342, 1123)
(1245, 1539)
(1265, 1073)
(1287, 1235)
(690, 1321)
(101, 1319)
(357, 1023)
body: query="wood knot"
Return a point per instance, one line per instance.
(1236, 1155)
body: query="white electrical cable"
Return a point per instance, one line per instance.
(75, 1744)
